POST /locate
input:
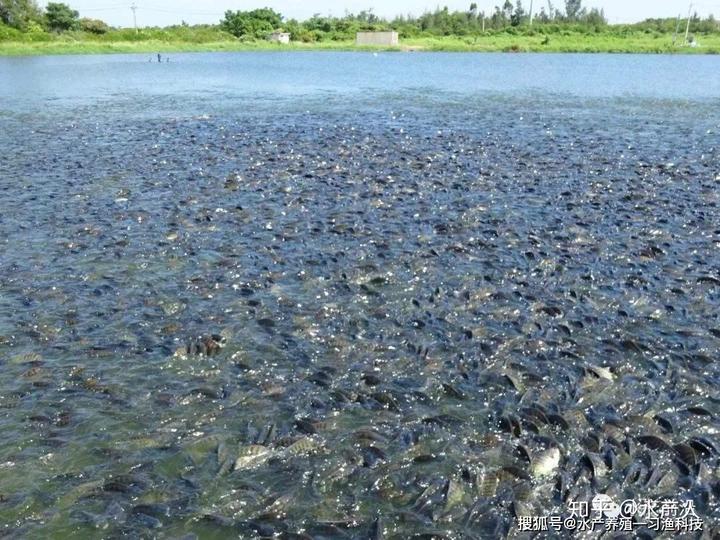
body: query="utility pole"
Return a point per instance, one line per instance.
(677, 30)
(134, 10)
(531, 12)
(687, 28)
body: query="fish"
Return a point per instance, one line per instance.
(208, 346)
(304, 446)
(251, 457)
(545, 463)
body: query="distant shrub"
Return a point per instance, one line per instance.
(35, 32)
(9, 34)
(307, 37)
(200, 34)
(125, 34)
(34, 27)
(255, 24)
(93, 26)
(20, 13)
(61, 17)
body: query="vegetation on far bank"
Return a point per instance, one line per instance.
(26, 29)
(499, 42)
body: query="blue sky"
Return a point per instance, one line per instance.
(166, 12)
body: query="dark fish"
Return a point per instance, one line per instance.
(427, 458)
(510, 424)
(558, 421)
(704, 447)
(303, 425)
(369, 434)
(216, 520)
(665, 424)
(552, 311)
(452, 391)
(156, 510)
(321, 378)
(523, 453)
(595, 465)
(327, 531)
(206, 346)
(376, 531)
(371, 379)
(700, 411)
(266, 323)
(656, 443)
(373, 455)
(686, 454)
(123, 484)
(636, 473)
(209, 393)
(387, 400)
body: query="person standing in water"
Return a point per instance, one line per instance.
(159, 58)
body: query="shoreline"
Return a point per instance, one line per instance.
(601, 44)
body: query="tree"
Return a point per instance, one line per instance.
(498, 19)
(93, 26)
(552, 14)
(573, 9)
(596, 17)
(19, 13)
(518, 15)
(507, 10)
(367, 16)
(61, 17)
(256, 23)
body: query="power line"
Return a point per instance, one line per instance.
(134, 8)
(160, 10)
(106, 8)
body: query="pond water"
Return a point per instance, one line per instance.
(34, 82)
(348, 295)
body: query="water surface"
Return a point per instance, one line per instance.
(428, 273)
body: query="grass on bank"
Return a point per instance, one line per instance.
(606, 42)
(580, 43)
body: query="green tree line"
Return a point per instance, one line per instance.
(24, 17)
(442, 22)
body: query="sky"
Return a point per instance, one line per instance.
(168, 12)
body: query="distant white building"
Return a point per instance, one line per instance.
(385, 39)
(280, 37)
